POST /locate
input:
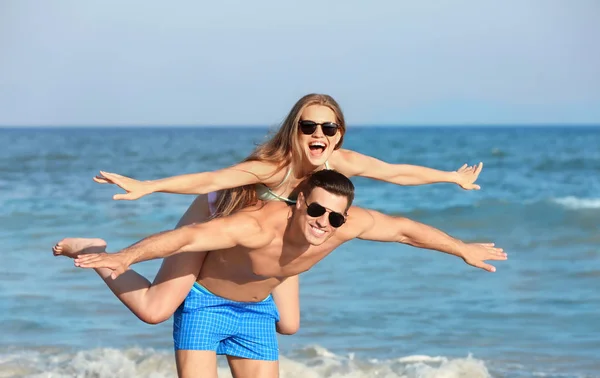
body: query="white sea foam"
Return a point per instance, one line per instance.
(575, 203)
(134, 362)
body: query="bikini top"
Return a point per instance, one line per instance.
(265, 193)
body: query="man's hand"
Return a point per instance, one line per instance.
(466, 176)
(117, 262)
(476, 253)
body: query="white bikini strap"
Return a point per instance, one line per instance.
(287, 175)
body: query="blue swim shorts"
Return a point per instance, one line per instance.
(205, 321)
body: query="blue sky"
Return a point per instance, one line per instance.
(247, 62)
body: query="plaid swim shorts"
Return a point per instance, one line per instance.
(205, 321)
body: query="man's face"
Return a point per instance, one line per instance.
(317, 212)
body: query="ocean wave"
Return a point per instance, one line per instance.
(504, 206)
(494, 208)
(135, 362)
(575, 203)
(570, 164)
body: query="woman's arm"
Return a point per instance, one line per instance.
(352, 163)
(246, 173)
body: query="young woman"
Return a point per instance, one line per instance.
(309, 139)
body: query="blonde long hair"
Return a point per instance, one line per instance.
(283, 149)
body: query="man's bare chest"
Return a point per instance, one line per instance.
(279, 261)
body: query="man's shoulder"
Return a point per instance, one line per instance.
(243, 221)
(357, 221)
(254, 223)
(250, 228)
(358, 214)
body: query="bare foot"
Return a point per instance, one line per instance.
(73, 247)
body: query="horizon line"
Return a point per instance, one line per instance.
(466, 125)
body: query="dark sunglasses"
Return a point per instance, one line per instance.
(309, 127)
(315, 210)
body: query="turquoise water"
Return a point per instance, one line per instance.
(370, 309)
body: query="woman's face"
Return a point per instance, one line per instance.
(316, 132)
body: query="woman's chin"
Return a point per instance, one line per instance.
(317, 160)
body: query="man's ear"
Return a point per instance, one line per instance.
(299, 200)
(347, 208)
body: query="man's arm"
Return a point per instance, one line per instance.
(375, 226)
(222, 233)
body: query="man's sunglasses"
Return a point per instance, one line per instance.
(315, 210)
(309, 127)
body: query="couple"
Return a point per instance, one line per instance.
(238, 283)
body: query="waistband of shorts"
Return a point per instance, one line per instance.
(204, 290)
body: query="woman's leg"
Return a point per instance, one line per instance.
(151, 302)
(287, 299)
(155, 302)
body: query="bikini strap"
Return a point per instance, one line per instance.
(287, 175)
(289, 171)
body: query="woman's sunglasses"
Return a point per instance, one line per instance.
(315, 210)
(309, 127)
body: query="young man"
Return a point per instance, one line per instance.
(230, 311)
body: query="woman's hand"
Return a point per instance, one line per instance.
(466, 176)
(135, 189)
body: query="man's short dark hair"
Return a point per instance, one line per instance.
(331, 181)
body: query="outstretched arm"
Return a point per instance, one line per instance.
(352, 163)
(246, 173)
(221, 233)
(373, 225)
